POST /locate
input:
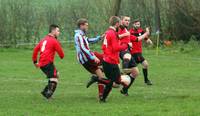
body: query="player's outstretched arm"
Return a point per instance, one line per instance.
(94, 40)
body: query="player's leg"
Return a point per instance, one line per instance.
(133, 74)
(145, 72)
(112, 72)
(52, 75)
(95, 69)
(140, 59)
(101, 81)
(98, 76)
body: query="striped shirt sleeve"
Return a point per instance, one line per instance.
(84, 47)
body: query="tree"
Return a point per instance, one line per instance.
(117, 7)
(157, 17)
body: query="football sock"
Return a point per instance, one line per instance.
(100, 88)
(45, 89)
(50, 89)
(107, 90)
(53, 86)
(132, 80)
(125, 88)
(145, 73)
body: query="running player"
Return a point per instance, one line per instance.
(137, 50)
(111, 48)
(47, 48)
(124, 36)
(127, 61)
(89, 60)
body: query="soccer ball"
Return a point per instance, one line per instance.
(125, 79)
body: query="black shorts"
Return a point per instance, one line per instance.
(132, 62)
(122, 53)
(49, 70)
(138, 58)
(91, 66)
(111, 71)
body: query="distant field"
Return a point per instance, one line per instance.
(176, 89)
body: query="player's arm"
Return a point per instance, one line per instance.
(83, 48)
(116, 46)
(124, 35)
(94, 40)
(148, 41)
(35, 54)
(144, 36)
(59, 49)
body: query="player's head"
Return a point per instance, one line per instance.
(54, 30)
(114, 21)
(136, 24)
(82, 24)
(125, 21)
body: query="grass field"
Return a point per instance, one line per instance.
(176, 89)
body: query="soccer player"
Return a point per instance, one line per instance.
(47, 48)
(89, 60)
(127, 61)
(137, 50)
(111, 48)
(132, 63)
(124, 36)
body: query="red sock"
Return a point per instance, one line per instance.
(101, 88)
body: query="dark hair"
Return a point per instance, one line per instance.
(52, 27)
(81, 21)
(136, 20)
(113, 20)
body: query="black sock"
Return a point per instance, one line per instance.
(51, 88)
(125, 89)
(145, 73)
(45, 89)
(54, 85)
(132, 80)
(107, 90)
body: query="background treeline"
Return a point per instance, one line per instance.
(27, 21)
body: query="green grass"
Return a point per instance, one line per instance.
(176, 89)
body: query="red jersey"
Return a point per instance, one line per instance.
(126, 39)
(137, 45)
(47, 48)
(111, 47)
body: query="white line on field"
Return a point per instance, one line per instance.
(42, 81)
